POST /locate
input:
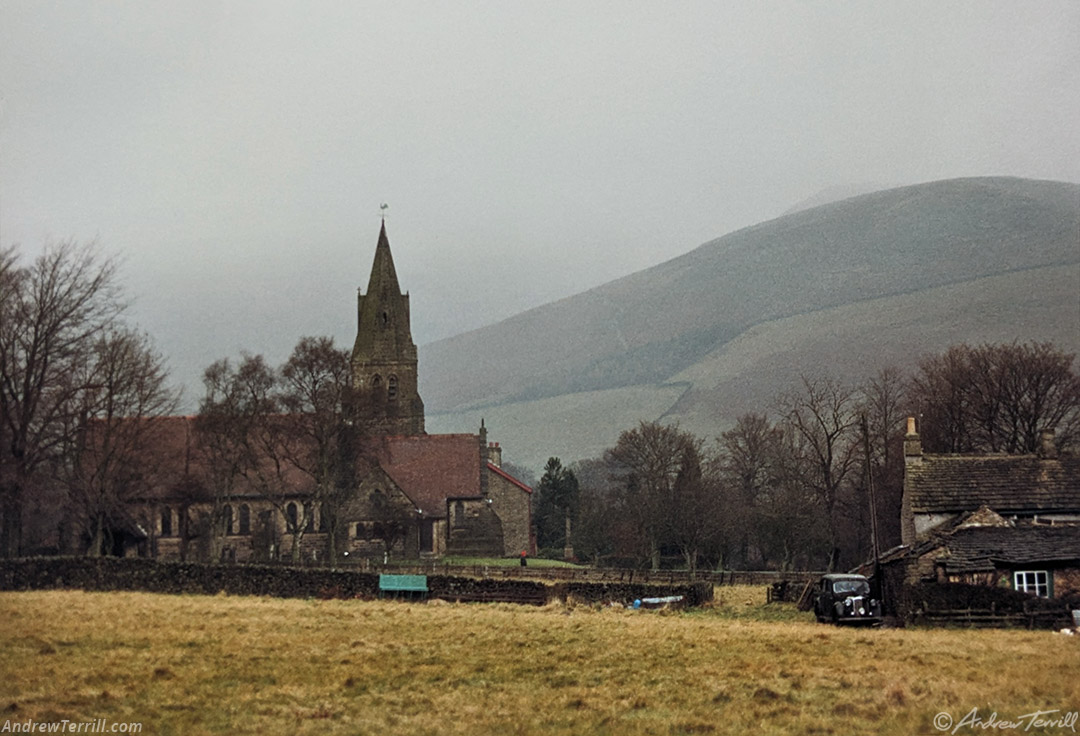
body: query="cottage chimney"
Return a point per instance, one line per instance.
(485, 454)
(1047, 448)
(495, 454)
(912, 444)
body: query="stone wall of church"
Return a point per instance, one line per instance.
(379, 505)
(475, 529)
(250, 530)
(513, 507)
(255, 530)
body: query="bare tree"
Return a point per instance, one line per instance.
(774, 511)
(125, 393)
(648, 460)
(997, 398)
(788, 514)
(51, 315)
(232, 429)
(884, 399)
(318, 438)
(824, 417)
(747, 454)
(285, 434)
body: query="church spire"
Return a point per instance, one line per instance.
(384, 356)
(383, 277)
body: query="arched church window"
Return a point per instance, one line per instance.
(385, 318)
(391, 388)
(376, 381)
(166, 522)
(226, 514)
(290, 515)
(377, 499)
(245, 519)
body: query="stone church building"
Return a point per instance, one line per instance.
(414, 495)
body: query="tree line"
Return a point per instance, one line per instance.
(84, 408)
(84, 396)
(791, 488)
(68, 361)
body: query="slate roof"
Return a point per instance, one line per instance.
(977, 549)
(1009, 484)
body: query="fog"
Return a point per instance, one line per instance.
(235, 155)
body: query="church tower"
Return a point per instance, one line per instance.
(385, 394)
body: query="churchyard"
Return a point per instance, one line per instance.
(188, 664)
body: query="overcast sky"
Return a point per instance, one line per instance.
(236, 154)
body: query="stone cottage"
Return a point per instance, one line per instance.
(1001, 520)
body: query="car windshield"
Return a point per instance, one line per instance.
(852, 587)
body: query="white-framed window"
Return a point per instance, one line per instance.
(1032, 581)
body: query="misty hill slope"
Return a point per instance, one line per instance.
(657, 325)
(849, 342)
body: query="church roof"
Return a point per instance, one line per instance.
(428, 468)
(431, 468)
(176, 468)
(1009, 484)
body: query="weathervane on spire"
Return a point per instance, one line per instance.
(383, 210)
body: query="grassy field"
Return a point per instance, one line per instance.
(220, 664)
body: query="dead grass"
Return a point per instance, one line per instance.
(195, 664)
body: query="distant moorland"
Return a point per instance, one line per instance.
(843, 288)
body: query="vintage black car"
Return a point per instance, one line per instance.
(845, 599)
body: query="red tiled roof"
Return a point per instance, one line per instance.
(431, 468)
(177, 468)
(428, 468)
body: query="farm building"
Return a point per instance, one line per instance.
(1000, 520)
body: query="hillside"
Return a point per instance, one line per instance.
(844, 287)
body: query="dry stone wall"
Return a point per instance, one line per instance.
(111, 573)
